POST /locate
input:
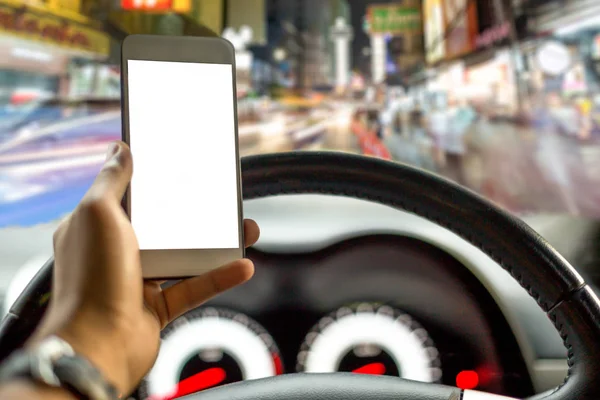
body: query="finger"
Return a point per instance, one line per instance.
(60, 231)
(115, 175)
(190, 293)
(251, 232)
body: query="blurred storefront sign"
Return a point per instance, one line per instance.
(394, 19)
(31, 25)
(493, 35)
(31, 57)
(396, 32)
(492, 85)
(180, 6)
(433, 17)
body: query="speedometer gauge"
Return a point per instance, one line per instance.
(371, 339)
(209, 347)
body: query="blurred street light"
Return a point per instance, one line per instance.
(279, 54)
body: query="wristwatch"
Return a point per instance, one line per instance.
(54, 363)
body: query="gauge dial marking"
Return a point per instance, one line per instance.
(370, 339)
(371, 369)
(202, 380)
(209, 347)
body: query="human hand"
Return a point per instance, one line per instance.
(100, 304)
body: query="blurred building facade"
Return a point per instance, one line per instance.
(318, 18)
(575, 25)
(512, 56)
(301, 30)
(41, 43)
(72, 47)
(396, 34)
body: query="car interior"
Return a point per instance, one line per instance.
(390, 270)
(393, 262)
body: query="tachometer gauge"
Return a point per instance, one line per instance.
(209, 347)
(370, 339)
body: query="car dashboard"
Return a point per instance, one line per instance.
(347, 285)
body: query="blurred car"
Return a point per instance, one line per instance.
(40, 113)
(45, 171)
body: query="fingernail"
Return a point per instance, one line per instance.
(112, 150)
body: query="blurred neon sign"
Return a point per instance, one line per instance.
(493, 35)
(157, 5)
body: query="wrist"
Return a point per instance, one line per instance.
(25, 389)
(105, 354)
(100, 347)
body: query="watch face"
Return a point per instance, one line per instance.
(54, 363)
(42, 369)
(45, 355)
(53, 348)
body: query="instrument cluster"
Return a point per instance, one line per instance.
(213, 346)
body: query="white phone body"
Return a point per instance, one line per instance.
(179, 117)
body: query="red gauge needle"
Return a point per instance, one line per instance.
(371, 369)
(195, 383)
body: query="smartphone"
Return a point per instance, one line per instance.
(179, 116)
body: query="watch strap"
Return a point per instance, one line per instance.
(78, 375)
(69, 371)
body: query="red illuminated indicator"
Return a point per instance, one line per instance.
(146, 4)
(371, 369)
(278, 364)
(195, 383)
(467, 380)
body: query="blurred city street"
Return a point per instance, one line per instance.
(46, 171)
(528, 172)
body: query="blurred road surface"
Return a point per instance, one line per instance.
(522, 170)
(45, 173)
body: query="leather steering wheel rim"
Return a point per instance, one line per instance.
(558, 289)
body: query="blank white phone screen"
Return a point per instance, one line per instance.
(184, 190)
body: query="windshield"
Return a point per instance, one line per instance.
(503, 100)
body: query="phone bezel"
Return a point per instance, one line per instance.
(177, 263)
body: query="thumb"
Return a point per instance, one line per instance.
(115, 175)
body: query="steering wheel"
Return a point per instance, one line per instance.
(558, 289)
